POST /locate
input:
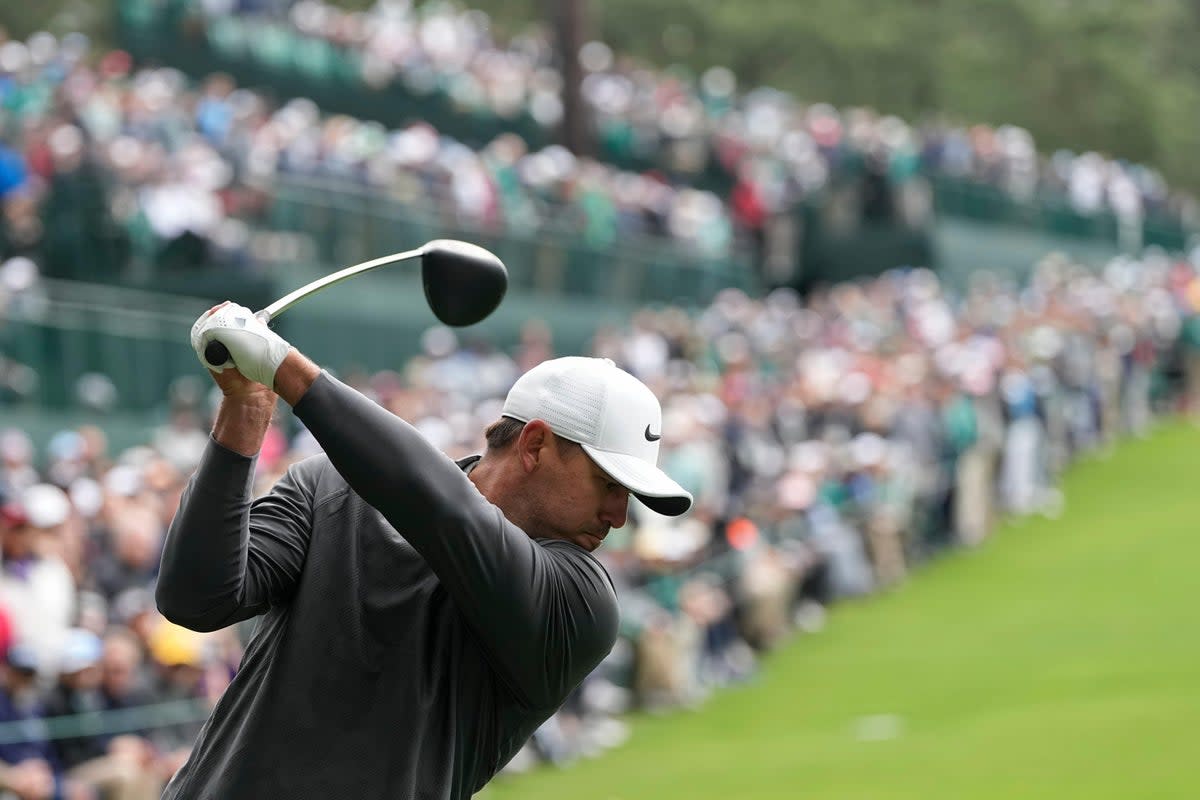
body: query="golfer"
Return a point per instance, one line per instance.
(420, 618)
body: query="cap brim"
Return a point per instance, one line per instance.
(645, 481)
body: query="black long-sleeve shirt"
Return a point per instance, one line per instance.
(411, 639)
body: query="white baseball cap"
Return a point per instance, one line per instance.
(613, 415)
(46, 505)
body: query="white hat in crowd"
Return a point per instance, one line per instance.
(80, 649)
(45, 505)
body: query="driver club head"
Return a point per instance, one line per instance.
(464, 282)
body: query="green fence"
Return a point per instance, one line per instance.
(1048, 214)
(964, 247)
(827, 256)
(137, 338)
(351, 224)
(137, 335)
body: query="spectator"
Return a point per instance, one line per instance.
(16, 463)
(179, 659)
(114, 766)
(28, 768)
(129, 559)
(123, 678)
(36, 587)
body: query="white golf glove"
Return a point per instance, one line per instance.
(255, 350)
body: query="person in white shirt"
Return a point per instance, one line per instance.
(36, 587)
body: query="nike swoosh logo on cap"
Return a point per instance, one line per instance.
(652, 437)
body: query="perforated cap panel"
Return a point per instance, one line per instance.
(569, 396)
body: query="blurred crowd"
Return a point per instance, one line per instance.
(832, 444)
(79, 543)
(772, 149)
(106, 168)
(102, 164)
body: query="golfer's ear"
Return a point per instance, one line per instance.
(532, 443)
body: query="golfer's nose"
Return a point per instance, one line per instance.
(616, 507)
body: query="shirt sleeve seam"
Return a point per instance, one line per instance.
(340, 491)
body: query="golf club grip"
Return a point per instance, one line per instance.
(216, 353)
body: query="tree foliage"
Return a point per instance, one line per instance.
(94, 17)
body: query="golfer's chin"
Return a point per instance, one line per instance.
(589, 541)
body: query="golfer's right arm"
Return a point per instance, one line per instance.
(225, 557)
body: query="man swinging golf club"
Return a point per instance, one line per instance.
(420, 617)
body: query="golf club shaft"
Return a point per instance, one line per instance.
(216, 353)
(289, 300)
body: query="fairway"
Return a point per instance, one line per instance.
(1059, 660)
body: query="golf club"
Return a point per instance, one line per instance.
(464, 283)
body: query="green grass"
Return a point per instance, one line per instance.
(1061, 659)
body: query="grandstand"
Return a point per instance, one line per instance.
(873, 338)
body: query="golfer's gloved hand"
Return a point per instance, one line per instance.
(255, 350)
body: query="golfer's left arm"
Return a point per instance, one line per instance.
(545, 614)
